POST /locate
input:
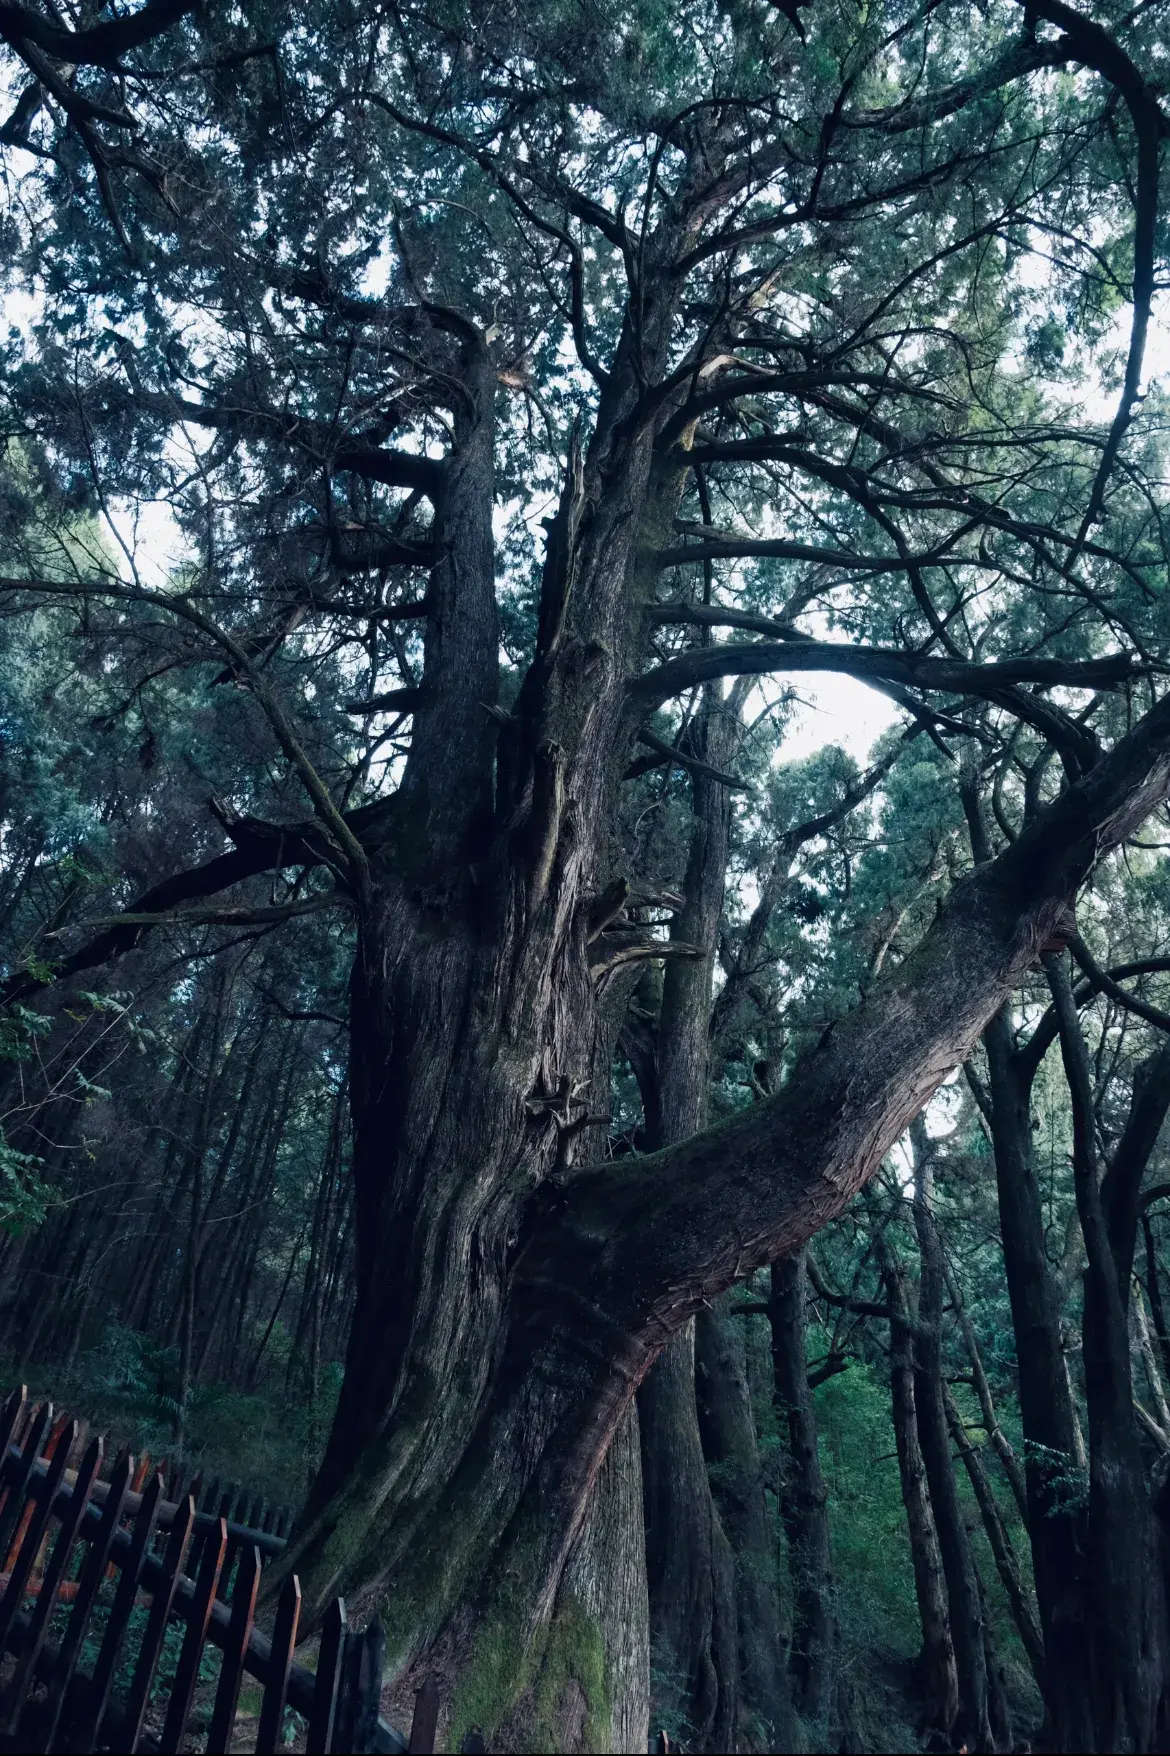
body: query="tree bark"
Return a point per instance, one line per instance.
(804, 1499)
(728, 1431)
(972, 1725)
(1126, 1601)
(690, 1564)
(936, 1666)
(1056, 1512)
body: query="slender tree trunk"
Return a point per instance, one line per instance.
(1154, 1290)
(972, 1725)
(731, 1448)
(804, 1498)
(996, 1434)
(1127, 1603)
(197, 1159)
(689, 1562)
(998, 1708)
(1056, 1513)
(1000, 1543)
(936, 1668)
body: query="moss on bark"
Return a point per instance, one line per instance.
(551, 1692)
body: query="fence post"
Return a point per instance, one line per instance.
(357, 1718)
(426, 1718)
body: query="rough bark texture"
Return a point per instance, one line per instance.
(688, 1561)
(604, 1588)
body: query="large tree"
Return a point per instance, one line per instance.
(789, 319)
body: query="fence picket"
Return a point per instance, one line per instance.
(22, 1470)
(231, 1673)
(11, 1423)
(284, 1638)
(87, 1594)
(103, 1673)
(71, 1519)
(426, 1718)
(187, 1672)
(32, 1527)
(156, 1625)
(330, 1657)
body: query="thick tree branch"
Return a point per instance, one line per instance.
(1103, 983)
(101, 45)
(711, 545)
(1034, 1050)
(374, 463)
(260, 847)
(389, 701)
(348, 849)
(950, 676)
(625, 1253)
(216, 917)
(1028, 55)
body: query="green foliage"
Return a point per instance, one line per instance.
(876, 1608)
(24, 1197)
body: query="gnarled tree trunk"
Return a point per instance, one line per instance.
(509, 1302)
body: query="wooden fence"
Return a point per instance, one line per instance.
(116, 1600)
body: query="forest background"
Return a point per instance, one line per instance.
(675, 1194)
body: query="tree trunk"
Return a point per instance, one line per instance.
(804, 1500)
(936, 1667)
(1154, 1289)
(690, 1566)
(1127, 1606)
(731, 1448)
(509, 1301)
(1000, 1544)
(972, 1726)
(1056, 1512)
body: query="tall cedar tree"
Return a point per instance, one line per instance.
(746, 299)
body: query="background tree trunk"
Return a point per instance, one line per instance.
(803, 1497)
(972, 1725)
(730, 1445)
(1056, 1513)
(936, 1666)
(691, 1569)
